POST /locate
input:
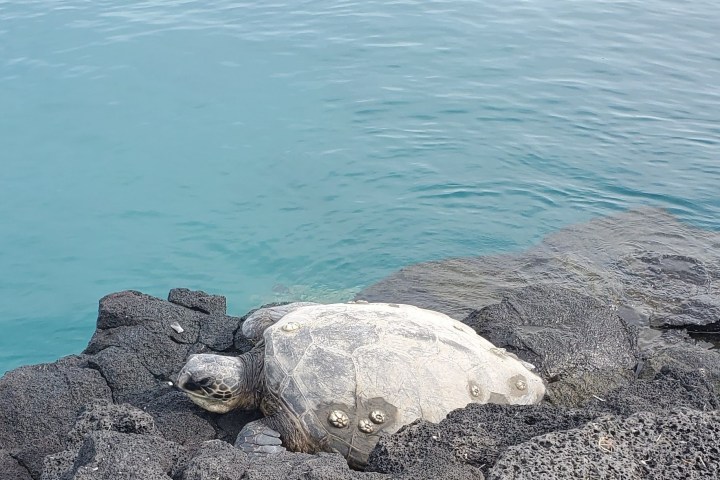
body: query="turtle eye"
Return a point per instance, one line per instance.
(204, 381)
(196, 384)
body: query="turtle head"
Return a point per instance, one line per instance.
(215, 382)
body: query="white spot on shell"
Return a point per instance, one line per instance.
(366, 426)
(475, 390)
(521, 385)
(377, 416)
(338, 419)
(291, 326)
(176, 326)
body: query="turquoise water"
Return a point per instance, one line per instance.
(306, 149)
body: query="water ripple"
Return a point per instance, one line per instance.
(235, 146)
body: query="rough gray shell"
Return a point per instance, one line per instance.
(351, 371)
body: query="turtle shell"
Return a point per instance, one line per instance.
(350, 371)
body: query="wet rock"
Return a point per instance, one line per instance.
(644, 260)
(669, 389)
(454, 287)
(684, 290)
(579, 345)
(677, 350)
(38, 406)
(678, 444)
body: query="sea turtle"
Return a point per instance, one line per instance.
(334, 377)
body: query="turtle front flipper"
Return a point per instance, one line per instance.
(258, 321)
(258, 438)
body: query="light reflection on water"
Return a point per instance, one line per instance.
(233, 147)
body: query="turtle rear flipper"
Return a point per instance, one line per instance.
(256, 438)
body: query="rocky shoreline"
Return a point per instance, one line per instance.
(624, 400)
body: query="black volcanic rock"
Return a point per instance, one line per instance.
(200, 301)
(478, 435)
(645, 262)
(677, 350)
(10, 469)
(115, 455)
(38, 406)
(475, 435)
(685, 289)
(579, 345)
(138, 345)
(97, 416)
(678, 444)
(216, 459)
(111, 413)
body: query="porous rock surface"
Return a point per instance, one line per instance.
(109, 413)
(38, 406)
(552, 327)
(479, 434)
(475, 435)
(677, 444)
(10, 469)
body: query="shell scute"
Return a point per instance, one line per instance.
(402, 361)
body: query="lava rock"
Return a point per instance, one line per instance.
(136, 348)
(475, 435)
(302, 466)
(198, 300)
(679, 444)
(685, 290)
(131, 358)
(677, 350)
(579, 345)
(669, 389)
(38, 406)
(10, 469)
(478, 434)
(630, 260)
(567, 284)
(96, 416)
(114, 455)
(181, 421)
(216, 459)
(212, 460)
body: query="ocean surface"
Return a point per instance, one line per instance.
(306, 149)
